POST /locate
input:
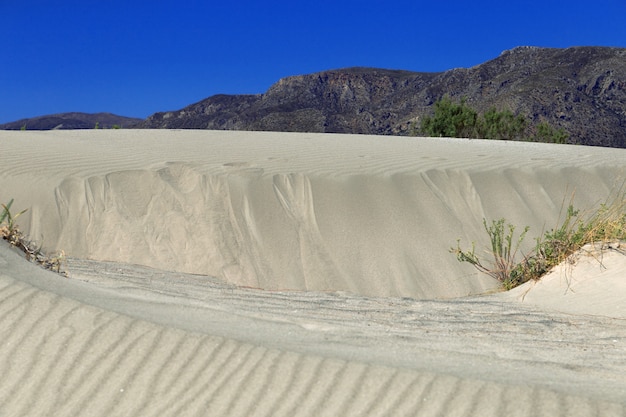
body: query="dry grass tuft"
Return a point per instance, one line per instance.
(10, 232)
(604, 227)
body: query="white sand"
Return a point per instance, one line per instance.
(351, 235)
(592, 283)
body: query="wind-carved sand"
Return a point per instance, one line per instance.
(277, 274)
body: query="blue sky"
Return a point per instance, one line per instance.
(135, 57)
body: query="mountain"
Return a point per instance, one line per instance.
(71, 121)
(581, 89)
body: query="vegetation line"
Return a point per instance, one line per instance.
(606, 225)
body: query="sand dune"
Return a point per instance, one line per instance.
(265, 274)
(283, 211)
(118, 339)
(593, 283)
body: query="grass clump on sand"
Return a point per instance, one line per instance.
(10, 232)
(606, 226)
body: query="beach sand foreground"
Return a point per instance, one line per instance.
(279, 274)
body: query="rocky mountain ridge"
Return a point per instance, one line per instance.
(581, 89)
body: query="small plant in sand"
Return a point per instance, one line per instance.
(606, 226)
(10, 232)
(503, 250)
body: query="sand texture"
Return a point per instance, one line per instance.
(279, 274)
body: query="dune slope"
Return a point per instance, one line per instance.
(370, 215)
(118, 339)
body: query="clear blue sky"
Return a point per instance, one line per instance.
(136, 57)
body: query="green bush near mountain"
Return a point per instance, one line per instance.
(458, 120)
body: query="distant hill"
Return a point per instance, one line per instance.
(71, 121)
(581, 89)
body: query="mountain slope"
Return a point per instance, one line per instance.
(71, 121)
(581, 89)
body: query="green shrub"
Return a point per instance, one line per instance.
(503, 250)
(503, 125)
(451, 120)
(458, 120)
(548, 134)
(607, 224)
